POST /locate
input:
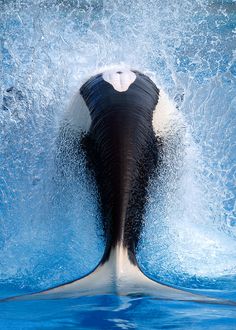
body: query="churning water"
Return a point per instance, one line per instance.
(50, 223)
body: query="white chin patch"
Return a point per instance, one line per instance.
(119, 79)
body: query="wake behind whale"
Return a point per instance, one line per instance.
(116, 117)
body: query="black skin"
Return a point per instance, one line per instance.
(122, 152)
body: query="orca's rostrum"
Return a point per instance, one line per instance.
(122, 147)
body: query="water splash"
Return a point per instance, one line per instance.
(47, 49)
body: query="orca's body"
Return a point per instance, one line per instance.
(123, 148)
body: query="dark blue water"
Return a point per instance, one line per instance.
(50, 226)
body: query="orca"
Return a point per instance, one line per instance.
(117, 110)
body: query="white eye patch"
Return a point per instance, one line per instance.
(119, 79)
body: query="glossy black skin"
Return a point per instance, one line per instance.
(123, 151)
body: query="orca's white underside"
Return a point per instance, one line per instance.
(118, 276)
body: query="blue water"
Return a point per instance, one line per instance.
(50, 225)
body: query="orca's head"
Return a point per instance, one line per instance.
(119, 89)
